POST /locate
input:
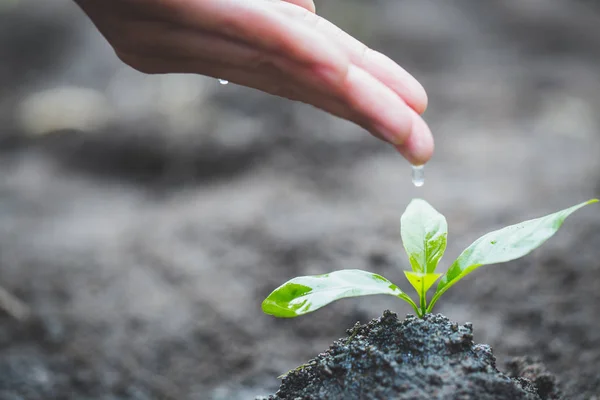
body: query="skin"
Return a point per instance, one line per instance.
(279, 47)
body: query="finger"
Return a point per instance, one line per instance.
(377, 64)
(378, 104)
(306, 4)
(418, 147)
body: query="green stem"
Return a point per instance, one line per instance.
(433, 301)
(423, 298)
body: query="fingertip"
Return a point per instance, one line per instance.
(386, 112)
(419, 146)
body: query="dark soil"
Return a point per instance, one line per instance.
(415, 359)
(142, 246)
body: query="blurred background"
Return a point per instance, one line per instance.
(144, 218)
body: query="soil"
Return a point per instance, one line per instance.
(144, 219)
(414, 359)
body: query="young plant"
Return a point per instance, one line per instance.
(424, 232)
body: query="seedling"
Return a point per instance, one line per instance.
(424, 232)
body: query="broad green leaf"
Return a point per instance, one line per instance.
(424, 232)
(420, 281)
(305, 294)
(503, 245)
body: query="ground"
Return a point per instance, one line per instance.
(414, 359)
(144, 219)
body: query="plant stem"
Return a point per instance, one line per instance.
(423, 297)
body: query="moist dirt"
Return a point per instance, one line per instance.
(416, 359)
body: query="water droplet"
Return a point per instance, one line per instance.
(418, 175)
(223, 82)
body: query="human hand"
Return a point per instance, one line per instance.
(281, 48)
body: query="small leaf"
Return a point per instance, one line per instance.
(424, 232)
(503, 245)
(305, 294)
(421, 282)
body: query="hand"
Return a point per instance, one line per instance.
(282, 48)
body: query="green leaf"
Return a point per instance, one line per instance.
(420, 281)
(424, 232)
(306, 294)
(503, 245)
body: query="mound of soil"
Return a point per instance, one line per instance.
(430, 358)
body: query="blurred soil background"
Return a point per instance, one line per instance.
(144, 218)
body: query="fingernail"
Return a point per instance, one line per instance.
(386, 111)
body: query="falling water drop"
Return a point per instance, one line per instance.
(418, 175)
(223, 82)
